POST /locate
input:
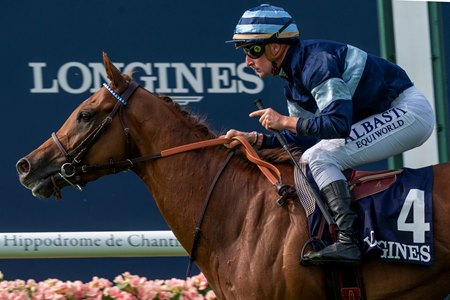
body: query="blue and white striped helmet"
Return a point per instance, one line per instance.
(264, 24)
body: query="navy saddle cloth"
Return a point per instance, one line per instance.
(395, 224)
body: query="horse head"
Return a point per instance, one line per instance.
(94, 133)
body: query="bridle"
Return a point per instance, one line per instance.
(75, 156)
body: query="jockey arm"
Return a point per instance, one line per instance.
(333, 122)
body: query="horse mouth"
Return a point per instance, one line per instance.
(46, 187)
(43, 189)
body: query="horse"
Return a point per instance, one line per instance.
(248, 246)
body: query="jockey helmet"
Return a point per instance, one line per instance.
(265, 24)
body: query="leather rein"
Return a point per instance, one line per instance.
(74, 157)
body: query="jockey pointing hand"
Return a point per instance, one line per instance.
(271, 119)
(346, 108)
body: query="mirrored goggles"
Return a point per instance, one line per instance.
(254, 51)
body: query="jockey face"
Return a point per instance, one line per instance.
(262, 61)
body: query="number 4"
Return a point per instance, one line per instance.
(415, 200)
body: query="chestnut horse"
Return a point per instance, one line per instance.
(249, 246)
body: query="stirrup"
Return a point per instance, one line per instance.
(312, 240)
(343, 257)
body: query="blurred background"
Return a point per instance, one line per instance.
(51, 53)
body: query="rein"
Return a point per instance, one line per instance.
(74, 157)
(270, 171)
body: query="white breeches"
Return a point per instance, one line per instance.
(406, 125)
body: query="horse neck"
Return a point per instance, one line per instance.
(180, 182)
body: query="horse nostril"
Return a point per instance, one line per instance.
(23, 166)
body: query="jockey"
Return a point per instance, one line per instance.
(360, 107)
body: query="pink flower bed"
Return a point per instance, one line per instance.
(124, 287)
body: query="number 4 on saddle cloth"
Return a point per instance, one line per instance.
(395, 220)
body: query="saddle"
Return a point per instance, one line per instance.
(366, 183)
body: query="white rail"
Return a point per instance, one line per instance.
(89, 244)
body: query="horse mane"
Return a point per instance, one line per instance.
(275, 155)
(198, 123)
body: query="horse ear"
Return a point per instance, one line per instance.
(113, 74)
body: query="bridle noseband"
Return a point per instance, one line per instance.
(74, 156)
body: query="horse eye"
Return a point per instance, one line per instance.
(84, 116)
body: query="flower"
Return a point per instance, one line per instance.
(124, 287)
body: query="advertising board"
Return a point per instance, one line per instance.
(51, 60)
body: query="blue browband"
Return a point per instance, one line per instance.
(117, 96)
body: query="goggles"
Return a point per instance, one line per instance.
(254, 51)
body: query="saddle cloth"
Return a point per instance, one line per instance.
(395, 224)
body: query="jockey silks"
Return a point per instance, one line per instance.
(331, 86)
(362, 108)
(404, 126)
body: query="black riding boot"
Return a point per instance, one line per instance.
(345, 251)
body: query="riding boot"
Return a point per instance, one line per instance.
(345, 250)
